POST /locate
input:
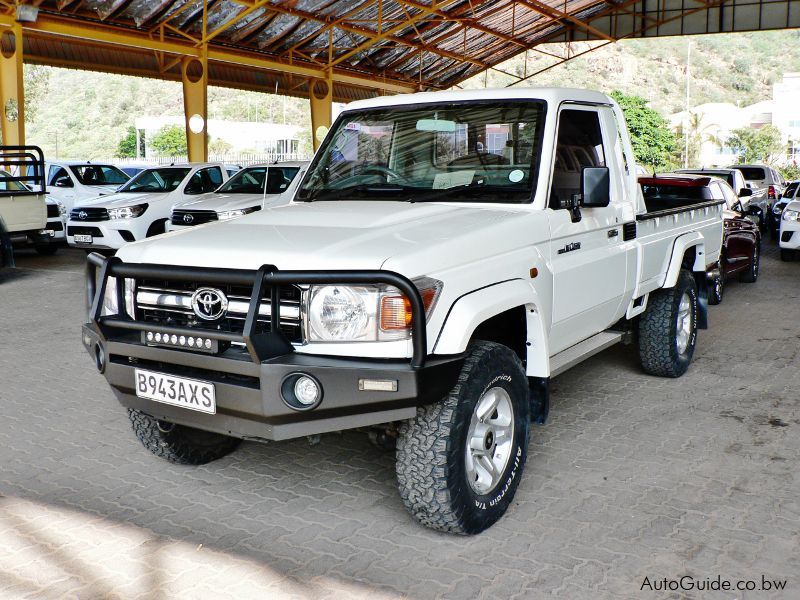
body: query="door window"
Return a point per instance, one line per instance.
(579, 144)
(730, 197)
(60, 178)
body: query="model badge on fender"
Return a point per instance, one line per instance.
(570, 247)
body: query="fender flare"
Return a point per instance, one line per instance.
(474, 308)
(683, 243)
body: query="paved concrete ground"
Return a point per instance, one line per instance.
(633, 477)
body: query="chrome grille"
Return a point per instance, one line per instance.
(87, 213)
(192, 217)
(170, 304)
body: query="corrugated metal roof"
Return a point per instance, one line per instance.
(423, 44)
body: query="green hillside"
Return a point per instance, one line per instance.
(86, 114)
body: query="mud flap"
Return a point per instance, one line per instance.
(539, 388)
(702, 299)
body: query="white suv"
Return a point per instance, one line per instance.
(78, 181)
(251, 189)
(141, 208)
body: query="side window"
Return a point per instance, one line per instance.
(60, 178)
(195, 184)
(579, 137)
(214, 178)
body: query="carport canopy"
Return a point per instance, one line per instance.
(332, 50)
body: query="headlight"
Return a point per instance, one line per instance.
(777, 209)
(110, 304)
(791, 215)
(62, 210)
(232, 214)
(369, 313)
(127, 212)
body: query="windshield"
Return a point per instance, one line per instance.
(156, 180)
(11, 186)
(251, 180)
(470, 151)
(791, 190)
(99, 175)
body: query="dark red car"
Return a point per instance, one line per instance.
(741, 242)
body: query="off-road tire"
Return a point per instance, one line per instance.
(787, 255)
(716, 290)
(431, 449)
(178, 443)
(751, 274)
(658, 346)
(46, 249)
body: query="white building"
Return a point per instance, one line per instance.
(713, 122)
(241, 136)
(786, 112)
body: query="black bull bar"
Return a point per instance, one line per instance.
(260, 346)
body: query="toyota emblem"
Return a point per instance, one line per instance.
(209, 304)
(188, 218)
(82, 215)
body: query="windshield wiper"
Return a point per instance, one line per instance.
(326, 194)
(471, 188)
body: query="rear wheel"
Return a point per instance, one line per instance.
(178, 443)
(668, 329)
(751, 274)
(459, 462)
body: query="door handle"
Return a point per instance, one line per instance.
(612, 233)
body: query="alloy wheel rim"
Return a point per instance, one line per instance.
(684, 323)
(489, 440)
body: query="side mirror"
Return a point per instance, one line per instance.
(62, 182)
(595, 187)
(744, 192)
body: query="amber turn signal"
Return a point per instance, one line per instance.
(396, 310)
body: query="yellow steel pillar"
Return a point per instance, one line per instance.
(321, 97)
(195, 106)
(11, 88)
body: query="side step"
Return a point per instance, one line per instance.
(566, 359)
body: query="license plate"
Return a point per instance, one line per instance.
(177, 391)
(83, 239)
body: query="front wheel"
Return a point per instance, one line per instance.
(178, 443)
(716, 290)
(459, 462)
(668, 329)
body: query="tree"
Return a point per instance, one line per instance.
(757, 145)
(36, 80)
(127, 145)
(170, 141)
(653, 141)
(219, 147)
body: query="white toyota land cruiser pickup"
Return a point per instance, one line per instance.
(445, 256)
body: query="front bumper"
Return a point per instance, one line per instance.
(249, 401)
(248, 382)
(789, 237)
(106, 235)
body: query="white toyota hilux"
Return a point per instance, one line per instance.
(252, 189)
(141, 208)
(446, 255)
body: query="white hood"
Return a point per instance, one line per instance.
(123, 199)
(414, 239)
(220, 202)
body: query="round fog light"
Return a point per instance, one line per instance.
(306, 390)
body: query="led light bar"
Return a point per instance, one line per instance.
(197, 343)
